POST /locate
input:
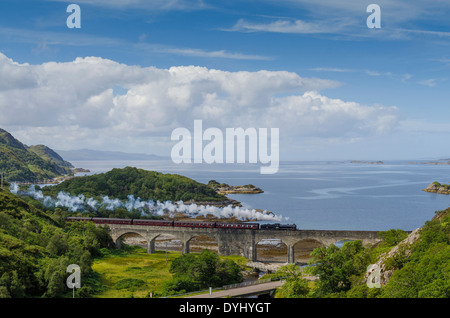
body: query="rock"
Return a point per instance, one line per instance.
(402, 247)
(248, 189)
(436, 187)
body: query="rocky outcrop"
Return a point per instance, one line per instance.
(382, 265)
(224, 189)
(246, 189)
(436, 187)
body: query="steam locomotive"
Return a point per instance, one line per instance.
(195, 224)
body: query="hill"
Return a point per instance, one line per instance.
(50, 155)
(22, 163)
(143, 184)
(36, 246)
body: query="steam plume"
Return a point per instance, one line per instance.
(81, 203)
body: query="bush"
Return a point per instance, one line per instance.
(193, 272)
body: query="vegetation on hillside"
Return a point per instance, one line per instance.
(19, 162)
(196, 272)
(144, 184)
(36, 247)
(423, 271)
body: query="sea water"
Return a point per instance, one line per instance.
(323, 195)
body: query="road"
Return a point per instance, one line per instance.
(242, 291)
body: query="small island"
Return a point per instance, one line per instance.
(223, 188)
(435, 163)
(436, 187)
(379, 162)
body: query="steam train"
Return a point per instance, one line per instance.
(195, 224)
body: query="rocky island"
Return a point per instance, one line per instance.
(223, 188)
(379, 162)
(436, 187)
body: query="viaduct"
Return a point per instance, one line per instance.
(240, 241)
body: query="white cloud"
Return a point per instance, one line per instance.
(77, 104)
(284, 26)
(313, 114)
(346, 70)
(211, 54)
(431, 82)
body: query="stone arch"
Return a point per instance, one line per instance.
(167, 241)
(303, 248)
(271, 250)
(198, 242)
(120, 237)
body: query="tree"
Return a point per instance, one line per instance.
(392, 237)
(55, 285)
(295, 285)
(57, 244)
(202, 271)
(336, 266)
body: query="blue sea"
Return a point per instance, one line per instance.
(323, 195)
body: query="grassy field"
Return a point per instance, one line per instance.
(132, 272)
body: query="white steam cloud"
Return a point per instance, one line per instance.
(81, 203)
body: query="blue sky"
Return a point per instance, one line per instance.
(340, 90)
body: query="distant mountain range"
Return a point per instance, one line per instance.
(88, 154)
(19, 162)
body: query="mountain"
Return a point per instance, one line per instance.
(50, 155)
(20, 162)
(88, 154)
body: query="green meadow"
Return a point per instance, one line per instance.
(132, 272)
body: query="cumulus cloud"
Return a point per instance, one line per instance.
(92, 100)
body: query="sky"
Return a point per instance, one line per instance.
(138, 69)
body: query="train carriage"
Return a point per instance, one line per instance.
(223, 225)
(112, 221)
(197, 224)
(152, 222)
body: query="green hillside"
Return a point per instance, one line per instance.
(147, 185)
(37, 246)
(19, 162)
(50, 155)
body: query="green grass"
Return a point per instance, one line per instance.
(133, 273)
